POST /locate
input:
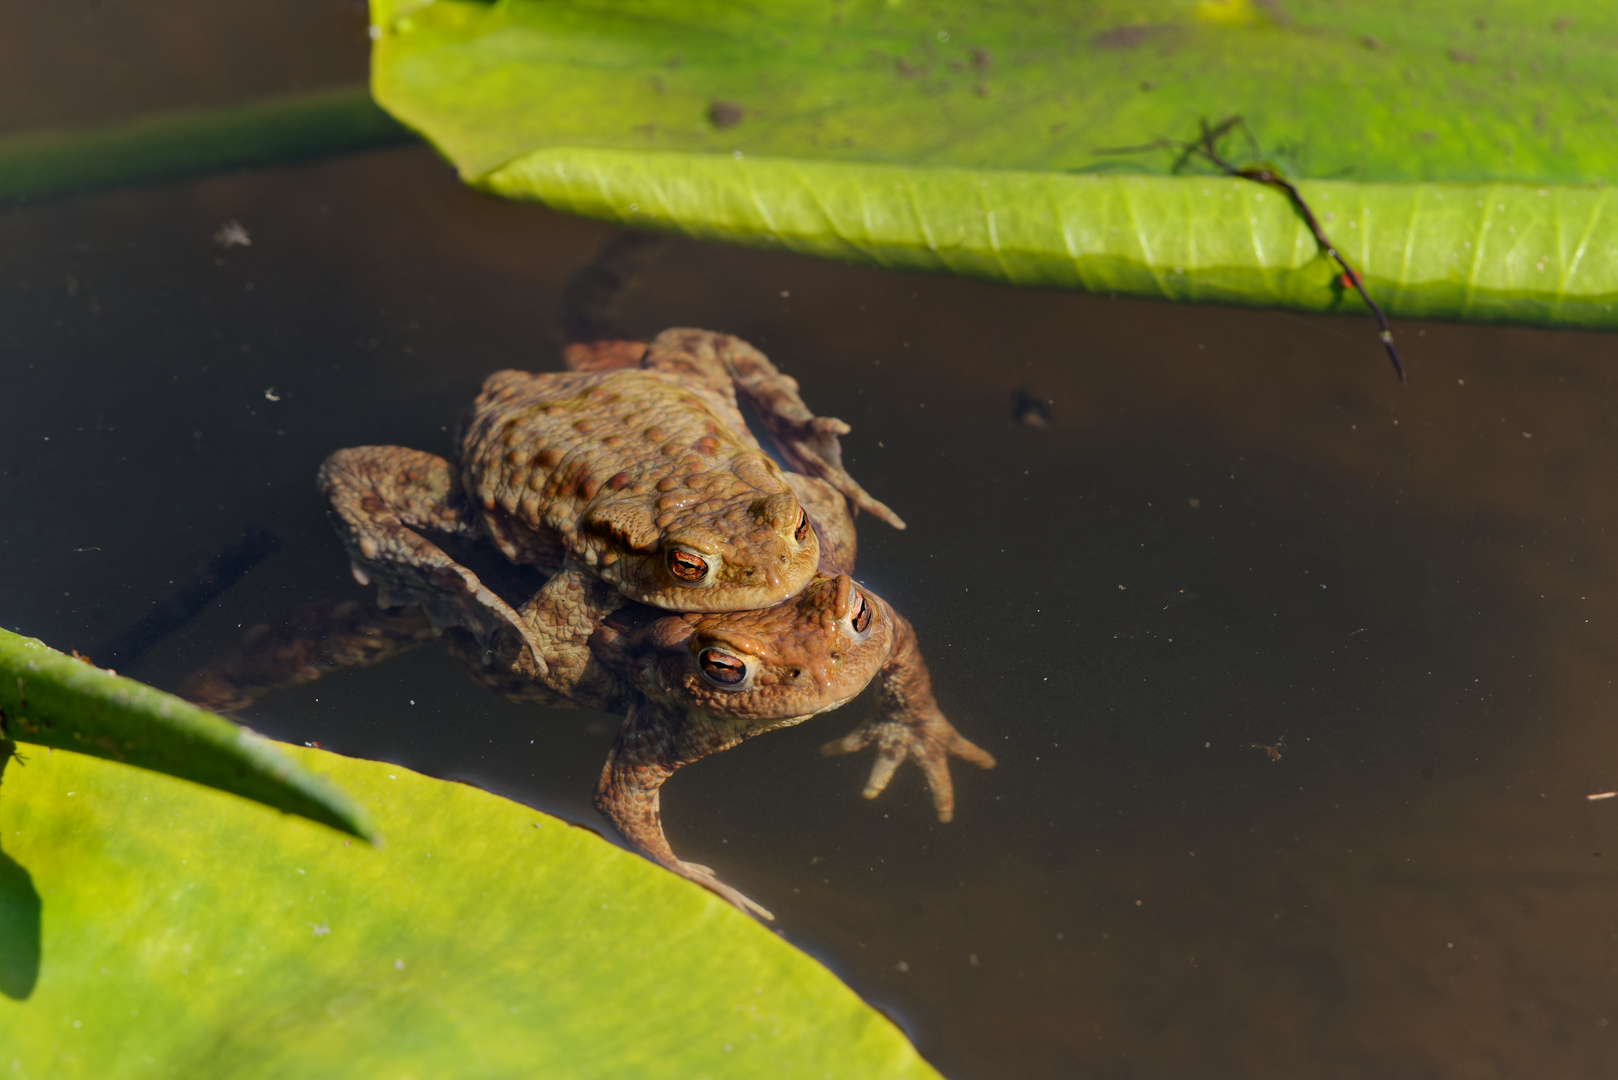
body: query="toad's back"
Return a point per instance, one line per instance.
(639, 479)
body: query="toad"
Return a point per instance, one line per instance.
(708, 521)
(636, 468)
(689, 685)
(692, 685)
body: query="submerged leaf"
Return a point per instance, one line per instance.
(1450, 151)
(189, 934)
(185, 142)
(50, 699)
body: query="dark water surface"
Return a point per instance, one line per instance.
(1237, 531)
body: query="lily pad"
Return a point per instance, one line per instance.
(1456, 157)
(185, 933)
(50, 699)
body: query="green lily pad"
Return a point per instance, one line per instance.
(50, 699)
(1456, 155)
(185, 933)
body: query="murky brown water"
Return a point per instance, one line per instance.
(1237, 531)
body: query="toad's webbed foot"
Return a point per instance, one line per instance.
(379, 496)
(929, 740)
(912, 726)
(702, 875)
(812, 447)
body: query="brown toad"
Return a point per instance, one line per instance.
(689, 685)
(636, 468)
(692, 685)
(801, 659)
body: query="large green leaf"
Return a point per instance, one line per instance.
(53, 700)
(1450, 148)
(187, 934)
(1480, 251)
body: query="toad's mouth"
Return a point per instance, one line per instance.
(835, 704)
(757, 725)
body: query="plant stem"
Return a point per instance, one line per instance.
(164, 146)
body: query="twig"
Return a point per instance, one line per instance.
(1207, 147)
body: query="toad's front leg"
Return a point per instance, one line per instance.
(655, 741)
(911, 726)
(379, 496)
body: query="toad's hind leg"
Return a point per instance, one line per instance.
(379, 496)
(829, 511)
(302, 644)
(807, 442)
(652, 744)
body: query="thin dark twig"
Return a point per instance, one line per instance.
(1160, 144)
(1208, 148)
(1210, 141)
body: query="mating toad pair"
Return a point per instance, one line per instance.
(693, 585)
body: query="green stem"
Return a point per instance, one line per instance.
(170, 145)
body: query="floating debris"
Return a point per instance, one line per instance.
(1272, 751)
(232, 234)
(1031, 410)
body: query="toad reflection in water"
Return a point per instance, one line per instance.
(633, 482)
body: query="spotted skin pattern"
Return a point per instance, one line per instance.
(615, 469)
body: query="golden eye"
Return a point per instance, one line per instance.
(686, 566)
(861, 615)
(721, 667)
(801, 533)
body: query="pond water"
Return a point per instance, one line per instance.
(1298, 679)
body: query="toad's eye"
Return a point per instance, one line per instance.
(721, 667)
(801, 533)
(686, 566)
(860, 617)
